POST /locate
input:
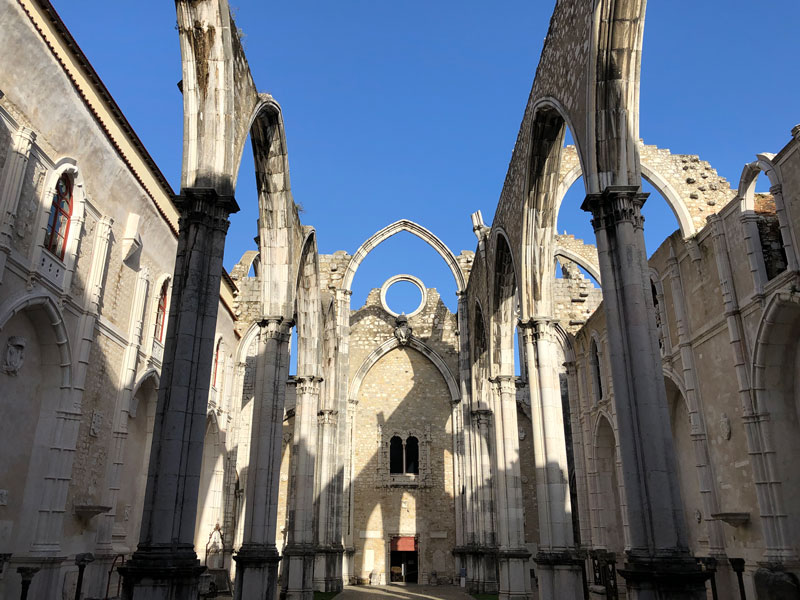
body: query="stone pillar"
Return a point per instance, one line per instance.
(755, 254)
(579, 449)
(512, 553)
(165, 565)
(331, 456)
(298, 567)
(483, 574)
(11, 187)
(560, 570)
(257, 558)
(776, 534)
(343, 506)
(658, 562)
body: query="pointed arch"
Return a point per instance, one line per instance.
(419, 346)
(414, 229)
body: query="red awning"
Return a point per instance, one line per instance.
(404, 544)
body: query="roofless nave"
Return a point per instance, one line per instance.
(156, 445)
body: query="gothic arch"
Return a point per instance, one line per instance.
(592, 268)
(46, 303)
(750, 173)
(140, 381)
(415, 229)
(776, 379)
(419, 346)
(652, 176)
(308, 309)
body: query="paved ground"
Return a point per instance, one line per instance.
(404, 592)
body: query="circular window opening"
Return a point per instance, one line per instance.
(403, 294)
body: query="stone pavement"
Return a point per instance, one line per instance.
(404, 592)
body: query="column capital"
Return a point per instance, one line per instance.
(615, 205)
(327, 416)
(505, 384)
(482, 416)
(308, 384)
(206, 206)
(538, 326)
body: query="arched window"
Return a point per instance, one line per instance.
(396, 455)
(55, 239)
(161, 313)
(216, 364)
(412, 455)
(597, 378)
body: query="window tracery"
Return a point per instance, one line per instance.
(55, 239)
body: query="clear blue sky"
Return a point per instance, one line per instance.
(411, 109)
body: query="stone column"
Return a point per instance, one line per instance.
(11, 188)
(755, 254)
(165, 565)
(328, 560)
(331, 453)
(343, 506)
(512, 553)
(579, 449)
(658, 562)
(560, 571)
(483, 574)
(257, 558)
(298, 568)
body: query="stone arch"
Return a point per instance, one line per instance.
(419, 346)
(776, 386)
(746, 194)
(590, 267)
(150, 373)
(649, 174)
(210, 494)
(608, 527)
(415, 229)
(28, 302)
(747, 181)
(548, 129)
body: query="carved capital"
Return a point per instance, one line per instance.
(206, 207)
(308, 385)
(616, 205)
(505, 384)
(328, 416)
(482, 416)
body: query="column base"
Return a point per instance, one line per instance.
(560, 575)
(481, 565)
(664, 578)
(298, 572)
(161, 574)
(328, 568)
(515, 583)
(256, 572)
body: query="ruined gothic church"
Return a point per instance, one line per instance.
(153, 444)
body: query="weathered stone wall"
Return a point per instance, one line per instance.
(403, 393)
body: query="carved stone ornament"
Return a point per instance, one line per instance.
(15, 354)
(402, 330)
(725, 426)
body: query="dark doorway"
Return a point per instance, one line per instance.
(404, 560)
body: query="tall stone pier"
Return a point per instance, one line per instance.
(658, 562)
(165, 566)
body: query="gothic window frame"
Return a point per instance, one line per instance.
(422, 476)
(162, 305)
(57, 231)
(407, 451)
